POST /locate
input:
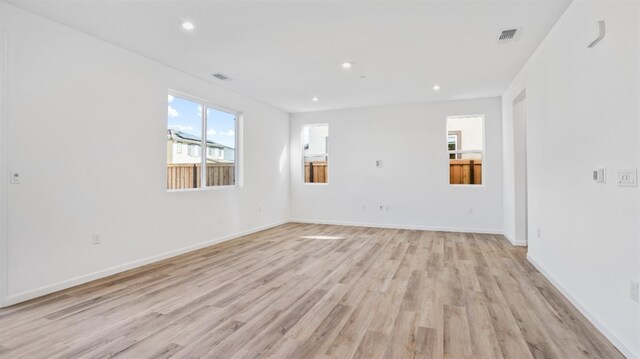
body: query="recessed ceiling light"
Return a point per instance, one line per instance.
(315, 99)
(188, 25)
(436, 87)
(346, 65)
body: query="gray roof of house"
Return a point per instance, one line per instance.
(175, 134)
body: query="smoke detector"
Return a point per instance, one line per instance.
(509, 35)
(221, 76)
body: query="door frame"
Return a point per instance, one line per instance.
(521, 190)
(4, 174)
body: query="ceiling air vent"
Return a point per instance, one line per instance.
(508, 35)
(221, 76)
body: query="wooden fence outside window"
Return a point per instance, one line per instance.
(181, 176)
(460, 172)
(465, 171)
(316, 172)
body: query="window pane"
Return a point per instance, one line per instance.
(466, 171)
(184, 131)
(221, 148)
(315, 140)
(465, 145)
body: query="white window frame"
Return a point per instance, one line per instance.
(239, 117)
(461, 152)
(304, 125)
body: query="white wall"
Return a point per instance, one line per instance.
(411, 140)
(63, 84)
(582, 110)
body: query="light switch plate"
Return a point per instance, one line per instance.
(16, 178)
(628, 178)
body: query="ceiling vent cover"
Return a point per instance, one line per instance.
(221, 76)
(508, 35)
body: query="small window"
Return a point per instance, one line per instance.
(315, 145)
(205, 130)
(465, 146)
(193, 150)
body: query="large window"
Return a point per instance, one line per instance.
(465, 146)
(196, 125)
(315, 142)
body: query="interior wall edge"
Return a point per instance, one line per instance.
(591, 318)
(3, 167)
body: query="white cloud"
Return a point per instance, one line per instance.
(170, 98)
(211, 132)
(180, 128)
(172, 112)
(229, 133)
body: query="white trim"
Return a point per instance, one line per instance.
(515, 243)
(612, 338)
(4, 171)
(38, 292)
(401, 226)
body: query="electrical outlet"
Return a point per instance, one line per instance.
(95, 239)
(538, 232)
(634, 291)
(600, 175)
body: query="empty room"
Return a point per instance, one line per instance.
(446, 179)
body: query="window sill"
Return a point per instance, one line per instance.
(211, 188)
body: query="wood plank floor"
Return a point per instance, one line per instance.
(304, 291)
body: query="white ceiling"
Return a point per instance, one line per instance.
(285, 53)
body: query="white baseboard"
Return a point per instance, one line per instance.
(401, 226)
(615, 341)
(514, 242)
(38, 292)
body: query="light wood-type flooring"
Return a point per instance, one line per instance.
(314, 291)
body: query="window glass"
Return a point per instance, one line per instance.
(221, 138)
(465, 146)
(215, 149)
(184, 128)
(316, 153)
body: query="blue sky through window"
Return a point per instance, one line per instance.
(185, 115)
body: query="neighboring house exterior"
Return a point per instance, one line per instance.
(316, 138)
(465, 134)
(186, 148)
